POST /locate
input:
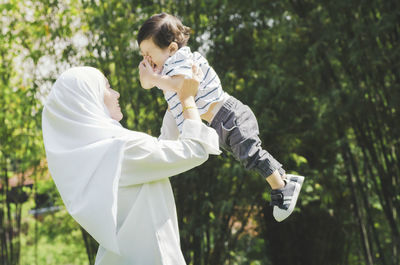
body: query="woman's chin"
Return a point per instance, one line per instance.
(117, 117)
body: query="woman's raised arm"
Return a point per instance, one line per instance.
(148, 159)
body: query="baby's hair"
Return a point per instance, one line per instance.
(163, 29)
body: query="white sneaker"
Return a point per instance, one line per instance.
(284, 200)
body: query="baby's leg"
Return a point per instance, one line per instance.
(251, 154)
(237, 128)
(238, 133)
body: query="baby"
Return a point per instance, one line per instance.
(167, 61)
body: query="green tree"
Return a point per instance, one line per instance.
(322, 77)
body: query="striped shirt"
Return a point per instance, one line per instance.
(210, 89)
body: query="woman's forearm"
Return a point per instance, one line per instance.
(189, 109)
(186, 96)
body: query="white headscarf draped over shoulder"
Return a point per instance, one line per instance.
(84, 149)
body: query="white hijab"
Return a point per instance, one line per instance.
(84, 148)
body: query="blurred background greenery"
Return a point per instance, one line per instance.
(322, 77)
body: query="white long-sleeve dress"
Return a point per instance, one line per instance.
(114, 181)
(147, 227)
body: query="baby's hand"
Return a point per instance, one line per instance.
(146, 74)
(156, 68)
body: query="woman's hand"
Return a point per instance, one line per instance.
(187, 93)
(190, 85)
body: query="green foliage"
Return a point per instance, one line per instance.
(54, 238)
(29, 33)
(322, 77)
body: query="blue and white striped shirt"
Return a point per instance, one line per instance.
(210, 89)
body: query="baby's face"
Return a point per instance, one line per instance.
(156, 56)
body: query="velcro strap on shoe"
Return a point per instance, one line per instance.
(276, 199)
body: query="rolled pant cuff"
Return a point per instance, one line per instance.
(267, 172)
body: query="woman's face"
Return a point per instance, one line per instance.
(111, 101)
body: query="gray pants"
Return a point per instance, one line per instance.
(237, 128)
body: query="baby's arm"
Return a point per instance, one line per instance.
(168, 83)
(150, 78)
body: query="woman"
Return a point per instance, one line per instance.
(113, 181)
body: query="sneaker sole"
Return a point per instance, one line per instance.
(280, 214)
